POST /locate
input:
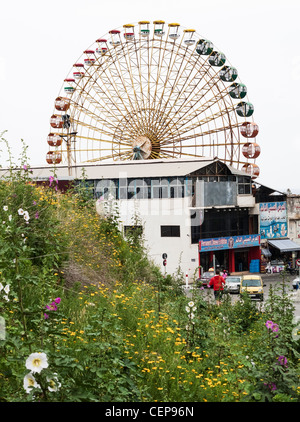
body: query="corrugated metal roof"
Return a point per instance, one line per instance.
(284, 245)
(128, 169)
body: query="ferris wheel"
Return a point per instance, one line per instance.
(153, 90)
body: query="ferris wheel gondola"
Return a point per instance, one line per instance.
(153, 90)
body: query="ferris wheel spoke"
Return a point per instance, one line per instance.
(185, 82)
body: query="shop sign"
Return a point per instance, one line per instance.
(273, 220)
(231, 242)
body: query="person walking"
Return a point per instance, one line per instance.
(218, 283)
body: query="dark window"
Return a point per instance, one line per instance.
(170, 231)
(219, 223)
(133, 230)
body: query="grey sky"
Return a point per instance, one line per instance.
(40, 41)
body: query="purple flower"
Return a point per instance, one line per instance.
(52, 307)
(51, 178)
(46, 316)
(34, 202)
(271, 386)
(57, 300)
(282, 360)
(25, 167)
(37, 215)
(272, 326)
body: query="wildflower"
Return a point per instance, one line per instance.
(29, 382)
(275, 328)
(37, 215)
(20, 211)
(282, 360)
(54, 384)
(34, 203)
(10, 217)
(269, 324)
(271, 386)
(5, 208)
(6, 290)
(36, 362)
(57, 300)
(26, 216)
(46, 316)
(52, 307)
(51, 178)
(191, 304)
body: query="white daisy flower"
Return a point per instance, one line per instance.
(191, 304)
(29, 382)
(36, 362)
(187, 309)
(20, 211)
(54, 384)
(5, 208)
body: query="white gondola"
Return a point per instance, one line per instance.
(129, 36)
(101, 50)
(89, 61)
(78, 75)
(189, 42)
(145, 33)
(174, 36)
(159, 32)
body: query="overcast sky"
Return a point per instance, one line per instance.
(41, 40)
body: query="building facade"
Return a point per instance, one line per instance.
(193, 213)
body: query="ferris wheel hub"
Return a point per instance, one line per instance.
(141, 147)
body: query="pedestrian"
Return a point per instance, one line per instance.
(217, 282)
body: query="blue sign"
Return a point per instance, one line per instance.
(231, 242)
(273, 220)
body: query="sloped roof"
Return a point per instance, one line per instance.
(128, 169)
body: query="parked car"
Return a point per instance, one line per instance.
(233, 283)
(205, 278)
(296, 283)
(253, 286)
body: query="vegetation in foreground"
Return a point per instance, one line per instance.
(86, 316)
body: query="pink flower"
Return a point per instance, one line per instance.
(37, 215)
(51, 178)
(46, 316)
(52, 307)
(57, 300)
(269, 325)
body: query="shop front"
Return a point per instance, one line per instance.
(234, 253)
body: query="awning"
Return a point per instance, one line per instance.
(266, 252)
(285, 245)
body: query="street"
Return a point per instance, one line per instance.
(275, 280)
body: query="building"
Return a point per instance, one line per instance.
(278, 219)
(194, 211)
(293, 207)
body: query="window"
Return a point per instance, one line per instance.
(244, 185)
(131, 231)
(170, 231)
